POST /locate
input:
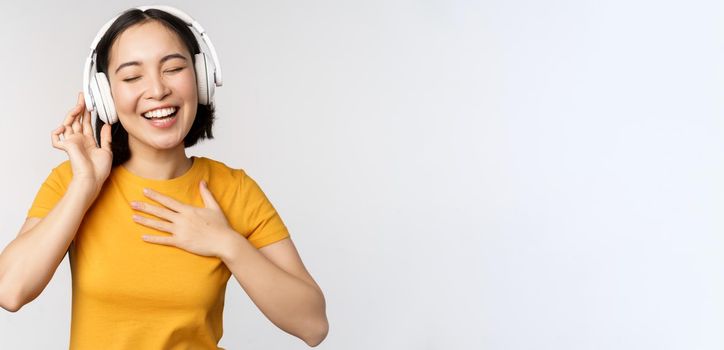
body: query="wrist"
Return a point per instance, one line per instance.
(83, 190)
(231, 246)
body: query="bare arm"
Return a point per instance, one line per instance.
(276, 280)
(28, 263)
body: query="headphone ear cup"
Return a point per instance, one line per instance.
(101, 91)
(97, 100)
(204, 85)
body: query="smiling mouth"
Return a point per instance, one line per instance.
(161, 118)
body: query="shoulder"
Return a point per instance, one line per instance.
(221, 172)
(56, 182)
(62, 173)
(218, 172)
(64, 167)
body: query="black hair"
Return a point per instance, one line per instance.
(201, 128)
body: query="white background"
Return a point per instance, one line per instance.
(456, 174)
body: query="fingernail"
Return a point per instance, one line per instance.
(134, 205)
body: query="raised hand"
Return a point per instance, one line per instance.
(91, 164)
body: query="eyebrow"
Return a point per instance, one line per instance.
(164, 59)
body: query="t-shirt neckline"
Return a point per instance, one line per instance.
(189, 175)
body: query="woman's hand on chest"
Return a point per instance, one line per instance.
(202, 231)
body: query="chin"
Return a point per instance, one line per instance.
(170, 144)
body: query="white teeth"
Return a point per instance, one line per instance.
(160, 113)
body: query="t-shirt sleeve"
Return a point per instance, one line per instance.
(264, 224)
(51, 191)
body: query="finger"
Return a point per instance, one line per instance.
(71, 114)
(70, 121)
(207, 196)
(68, 131)
(55, 138)
(106, 137)
(77, 128)
(162, 213)
(168, 202)
(74, 111)
(159, 225)
(158, 239)
(87, 126)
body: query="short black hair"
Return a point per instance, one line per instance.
(204, 120)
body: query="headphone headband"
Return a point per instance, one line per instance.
(200, 32)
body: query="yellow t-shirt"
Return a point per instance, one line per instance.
(130, 294)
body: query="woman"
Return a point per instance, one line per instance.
(154, 235)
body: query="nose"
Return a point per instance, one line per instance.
(158, 89)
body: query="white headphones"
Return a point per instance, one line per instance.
(97, 90)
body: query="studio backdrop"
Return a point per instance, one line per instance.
(503, 175)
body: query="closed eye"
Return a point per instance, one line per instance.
(168, 71)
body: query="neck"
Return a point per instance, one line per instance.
(159, 164)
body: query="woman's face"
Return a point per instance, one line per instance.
(151, 75)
